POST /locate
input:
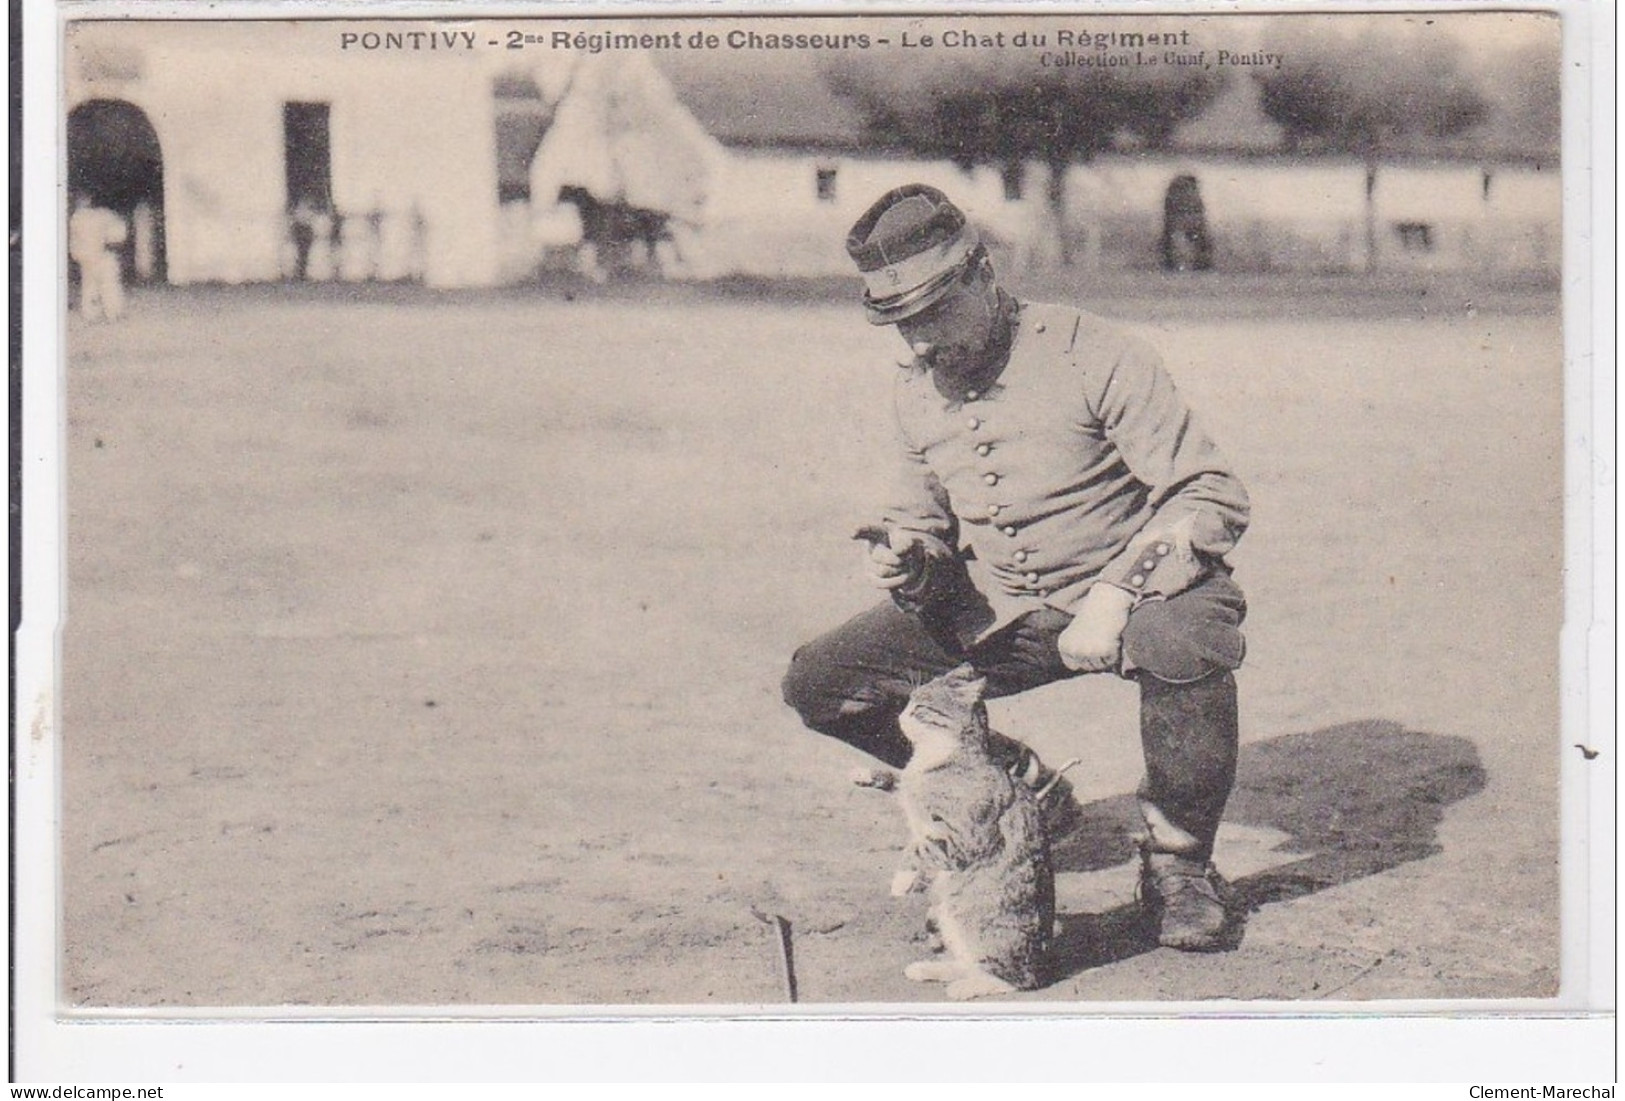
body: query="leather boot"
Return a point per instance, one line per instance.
(1192, 905)
(1190, 736)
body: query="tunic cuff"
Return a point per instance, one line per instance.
(1155, 564)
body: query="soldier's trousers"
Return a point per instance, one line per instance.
(853, 682)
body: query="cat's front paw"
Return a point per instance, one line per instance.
(906, 881)
(933, 971)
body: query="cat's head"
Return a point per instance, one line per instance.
(947, 710)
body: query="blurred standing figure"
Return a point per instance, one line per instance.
(94, 236)
(1059, 512)
(1186, 245)
(303, 223)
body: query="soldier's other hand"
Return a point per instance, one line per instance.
(1093, 641)
(890, 564)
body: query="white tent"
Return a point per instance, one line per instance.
(620, 133)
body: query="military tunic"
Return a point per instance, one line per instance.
(1079, 464)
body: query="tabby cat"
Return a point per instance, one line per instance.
(977, 841)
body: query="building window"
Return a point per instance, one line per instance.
(1415, 236)
(522, 118)
(307, 156)
(825, 183)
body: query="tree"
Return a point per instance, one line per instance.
(1372, 95)
(1526, 93)
(982, 109)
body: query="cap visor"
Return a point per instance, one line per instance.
(891, 311)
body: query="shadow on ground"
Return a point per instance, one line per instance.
(1356, 799)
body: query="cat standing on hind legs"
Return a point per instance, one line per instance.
(977, 842)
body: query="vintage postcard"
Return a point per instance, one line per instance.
(1021, 513)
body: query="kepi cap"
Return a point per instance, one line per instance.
(909, 247)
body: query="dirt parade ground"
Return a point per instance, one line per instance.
(425, 650)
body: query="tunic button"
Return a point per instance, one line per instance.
(1162, 548)
(1149, 564)
(1021, 556)
(973, 423)
(1032, 579)
(1008, 529)
(1038, 328)
(1137, 580)
(994, 510)
(991, 479)
(983, 448)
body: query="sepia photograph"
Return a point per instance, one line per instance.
(1018, 512)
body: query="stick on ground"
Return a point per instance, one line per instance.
(787, 959)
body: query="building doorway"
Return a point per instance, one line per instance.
(115, 162)
(307, 157)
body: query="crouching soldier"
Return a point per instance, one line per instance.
(1059, 512)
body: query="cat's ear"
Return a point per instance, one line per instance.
(968, 683)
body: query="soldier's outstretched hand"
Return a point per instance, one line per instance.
(1093, 641)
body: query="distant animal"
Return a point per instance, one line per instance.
(977, 843)
(1587, 752)
(612, 229)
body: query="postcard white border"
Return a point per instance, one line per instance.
(1236, 1041)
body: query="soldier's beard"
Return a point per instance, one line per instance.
(964, 363)
(955, 359)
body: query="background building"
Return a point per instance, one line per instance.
(238, 156)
